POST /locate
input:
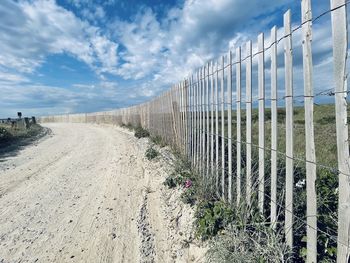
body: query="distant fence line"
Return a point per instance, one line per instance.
(195, 116)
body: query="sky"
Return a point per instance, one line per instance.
(73, 56)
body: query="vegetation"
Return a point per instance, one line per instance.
(235, 234)
(151, 153)
(189, 196)
(324, 124)
(158, 141)
(139, 131)
(212, 217)
(10, 135)
(256, 243)
(181, 173)
(127, 126)
(326, 183)
(5, 135)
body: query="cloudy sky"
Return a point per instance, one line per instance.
(92, 55)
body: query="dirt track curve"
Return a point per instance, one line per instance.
(85, 194)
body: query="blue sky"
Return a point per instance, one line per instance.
(70, 56)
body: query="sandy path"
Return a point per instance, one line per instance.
(84, 194)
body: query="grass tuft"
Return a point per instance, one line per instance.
(141, 132)
(151, 153)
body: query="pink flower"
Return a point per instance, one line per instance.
(188, 183)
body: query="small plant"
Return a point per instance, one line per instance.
(170, 182)
(181, 176)
(158, 141)
(128, 126)
(212, 217)
(151, 153)
(252, 244)
(5, 135)
(174, 180)
(189, 196)
(141, 132)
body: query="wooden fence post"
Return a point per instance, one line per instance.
(273, 215)
(249, 121)
(340, 49)
(238, 109)
(195, 144)
(311, 202)
(229, 124)
(217, 126)
(183, 116)
(192, 118)
(289, 128)
(187, 116)
(261, 85)
(201, 152)
(212, 119)
(204, 122)
(223, 193)
(207, 120)
(198, 121)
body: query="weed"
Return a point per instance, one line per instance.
(149, 190)
(129, 126)
(151, 153)
(182, 172)
(211, 217)
(158, 141)
(141, 132)
(5, 135)
(174, 180)
(252, 244)
(170, 182)
(189, 196)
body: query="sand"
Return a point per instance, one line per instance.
(86, 193)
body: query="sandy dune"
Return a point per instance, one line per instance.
(85, 193)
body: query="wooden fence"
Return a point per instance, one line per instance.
(199, 117)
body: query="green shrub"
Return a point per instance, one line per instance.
(158, 141)
(174, 180)
(189, 196)
(170, 182)
(301, 122)
(326, 120)
(211, 217)
(141, 132)
(128, 126)
(252, 244)
(151, 153)
(5, 135)
(182, 172)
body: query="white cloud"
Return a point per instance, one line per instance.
(42, 28)
(164, 51)
(12, 78)
(167, 50)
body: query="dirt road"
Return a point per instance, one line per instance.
(85, 193)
